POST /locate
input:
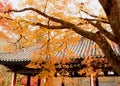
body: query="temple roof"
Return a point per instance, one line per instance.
(18, 56)
(83, 48)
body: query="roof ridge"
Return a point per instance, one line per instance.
(17, 50)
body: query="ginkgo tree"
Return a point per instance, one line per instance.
(34, 16)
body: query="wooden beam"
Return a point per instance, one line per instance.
(14, 76)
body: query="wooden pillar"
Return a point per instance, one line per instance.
(96, 82)
(62, 84)
(91, 81)
(28, 80)
(39, 82)
(14, 76)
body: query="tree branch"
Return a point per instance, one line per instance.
(105, 32)
(92, 15)
(103, 21)
(44, 25)
(64, 24)
(89, 14)
(45, 6)
(49, 27)
(39, 12)
(1, 17)
(111, 8)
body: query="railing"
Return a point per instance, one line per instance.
(82, 81)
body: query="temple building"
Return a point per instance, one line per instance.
(17, 60)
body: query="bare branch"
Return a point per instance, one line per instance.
(1, 17)
(49, 27)
(17, 41)
(105, 32)
(45, 6)
(89, 14)
(19, 38)
(92, 15)
(46, 26)
(103, 21)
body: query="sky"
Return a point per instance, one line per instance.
(15, 3)
(93, 4)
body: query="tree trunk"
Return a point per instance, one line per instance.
(112, 10)
(109, 54)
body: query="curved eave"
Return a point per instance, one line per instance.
(25, 62)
